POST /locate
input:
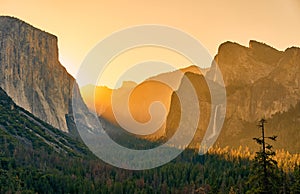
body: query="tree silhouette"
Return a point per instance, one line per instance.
(264, 178)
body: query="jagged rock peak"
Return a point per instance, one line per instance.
(253, 44)
(228, 45)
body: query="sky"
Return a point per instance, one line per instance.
(80, 25)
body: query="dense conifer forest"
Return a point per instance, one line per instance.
(37, 158)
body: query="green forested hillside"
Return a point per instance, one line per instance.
(37, 158)
(19, 127)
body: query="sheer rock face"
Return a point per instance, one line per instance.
(260, 80)
(31, 74)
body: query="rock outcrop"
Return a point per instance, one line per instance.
(260, 82)
(31, 74)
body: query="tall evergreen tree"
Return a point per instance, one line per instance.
(264, 177)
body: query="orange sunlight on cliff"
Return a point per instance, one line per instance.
(134, 102)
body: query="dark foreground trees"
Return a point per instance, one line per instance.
(264, 173)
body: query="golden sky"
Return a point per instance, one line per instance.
(80, 25)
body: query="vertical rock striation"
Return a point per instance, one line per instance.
(260, 80)
(31, 74)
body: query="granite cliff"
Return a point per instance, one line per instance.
(31, 73)
(260, 82)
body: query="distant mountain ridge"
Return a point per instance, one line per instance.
(260, 82)
(156, 88)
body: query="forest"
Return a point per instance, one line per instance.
(37, 158)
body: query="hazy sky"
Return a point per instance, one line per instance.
(80, 25)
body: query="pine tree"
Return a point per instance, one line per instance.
(264, 178)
